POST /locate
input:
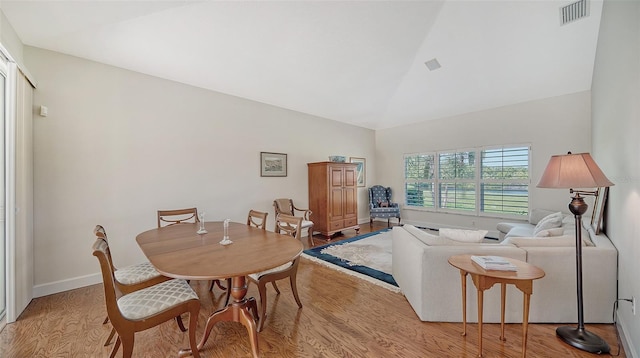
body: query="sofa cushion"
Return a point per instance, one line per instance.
(556, 231)
(429, 239)
(463, 235)
(538, 214)
(555, 241)
(548, 222)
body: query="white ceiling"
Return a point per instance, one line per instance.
(359, 62)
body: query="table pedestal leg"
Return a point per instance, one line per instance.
(237, 311)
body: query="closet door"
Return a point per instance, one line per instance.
(3, 242)
(23, 195)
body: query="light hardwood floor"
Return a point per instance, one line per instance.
(342, 317)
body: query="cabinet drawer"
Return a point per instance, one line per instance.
(336, 225)
(350, 222)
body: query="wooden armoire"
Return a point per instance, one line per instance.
(333, 197)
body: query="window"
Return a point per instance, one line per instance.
(457, 186)
(456, 181)
(419, 180)
(505, 181)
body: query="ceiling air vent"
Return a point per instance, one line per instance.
(574, 11)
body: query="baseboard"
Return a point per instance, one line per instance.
(66, 285)
(628, 345)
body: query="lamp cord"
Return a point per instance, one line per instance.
(615, 316)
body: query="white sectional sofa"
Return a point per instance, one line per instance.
(433, 288)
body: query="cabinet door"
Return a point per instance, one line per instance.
(350, 193)
(336, 201)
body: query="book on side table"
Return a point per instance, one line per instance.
(493, 263)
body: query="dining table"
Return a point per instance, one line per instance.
(179, 251)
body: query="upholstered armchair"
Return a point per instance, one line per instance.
(380, 205)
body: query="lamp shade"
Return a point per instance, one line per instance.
(570, 171)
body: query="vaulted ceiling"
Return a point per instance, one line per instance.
(359, 62)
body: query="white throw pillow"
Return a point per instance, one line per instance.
(463, 235)
(548, 222)
(556, 231)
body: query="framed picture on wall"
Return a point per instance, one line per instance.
(273, 164)
(360, 170)
(599, 205)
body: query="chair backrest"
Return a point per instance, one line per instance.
(283, 206)
(172, 217)
(378, 195)
(111, 294)
(101, 233)
(289, 225)
(257, 219)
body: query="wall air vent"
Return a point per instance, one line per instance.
(574, 11)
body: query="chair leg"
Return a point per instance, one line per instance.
(114, 350)
(180, 324)
(262, 289)
(226, 302)
(217, 282)
(388, 222)
(370, 221)
(127, 345)
(275, 287)
(108, 341)
(193, 323)
(294, 289)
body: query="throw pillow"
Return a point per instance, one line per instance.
(557, 231)
(548, 222)
(463, 235)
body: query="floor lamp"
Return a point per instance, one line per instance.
(567, 172)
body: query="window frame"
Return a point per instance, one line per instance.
(477, 181)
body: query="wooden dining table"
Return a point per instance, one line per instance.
(178, 251)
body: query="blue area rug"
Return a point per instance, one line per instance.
(374, 248)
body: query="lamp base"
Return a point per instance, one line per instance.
(581, 339)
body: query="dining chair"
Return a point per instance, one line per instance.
(287, 225)
(177, 216)
(144, 308)
(257, 219)
(184, 216)
(131, 278)
(285, 206)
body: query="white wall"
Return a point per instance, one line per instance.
(9, 39)
(118, 145)
(552, 126)
(616, 146)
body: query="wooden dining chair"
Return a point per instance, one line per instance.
(287, 225)
(285, 206)
(177, 216)
(131, 278)
(144, 308)
(257, 219)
